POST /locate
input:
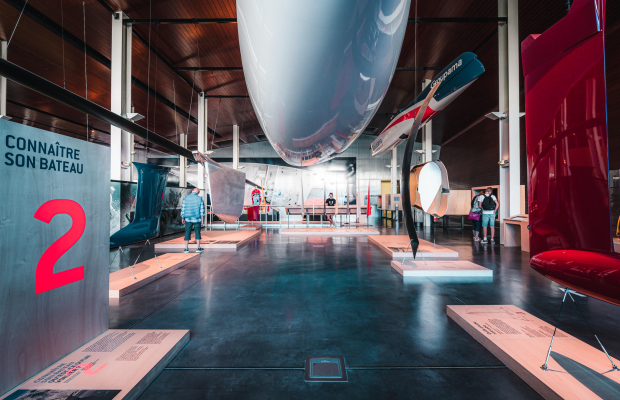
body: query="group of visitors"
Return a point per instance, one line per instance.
(484, 206)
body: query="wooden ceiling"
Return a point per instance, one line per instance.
(39, 50)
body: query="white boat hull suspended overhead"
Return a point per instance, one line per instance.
(318, 70)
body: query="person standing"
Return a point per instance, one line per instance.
(475, 212)
(192, 215)
(489, 204)
(330, 202)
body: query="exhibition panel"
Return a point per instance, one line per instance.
(53, 250)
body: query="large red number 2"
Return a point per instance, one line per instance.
(45, 278)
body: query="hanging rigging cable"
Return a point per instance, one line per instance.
(174, 100)
(415, 61)
(62, 35)
(156, 80)
(148, 84)
(191, 100)
(14, 29)
(215, 127)
(85, 70)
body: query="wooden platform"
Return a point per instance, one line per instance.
(440, 268)
(118, 364)
(397, 246)
(251, 227)
(521, 341)
(212, 240)
(122, 282)
(357, 231)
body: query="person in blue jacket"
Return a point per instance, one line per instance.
(192, 214)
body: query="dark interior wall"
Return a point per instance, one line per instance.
(471, 158)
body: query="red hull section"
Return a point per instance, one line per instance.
(566, 120)
(595, 274)
(567, 154)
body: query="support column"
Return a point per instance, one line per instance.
(235, 145)
(394, 171)
(504, 190)
(203, 140)
(121, 142)
(427, 147)
(3, 47)
(183, 162)
(509, 124)
(514, 129)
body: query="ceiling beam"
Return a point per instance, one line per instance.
(209, 68)
(53, 27)
(418, 68)
(56, 116)
(148, 45)
(458, 20)
(49, 89)
(234, 96)
(190, 21)
(198, 21)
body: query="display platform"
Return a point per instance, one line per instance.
(212, 240)
(617, 245)
(521, 341)
(397, 246)
(330, 231)
(420, 268)
(118, 364)
(252, 227)
(122, 282)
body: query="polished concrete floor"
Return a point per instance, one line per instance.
(255, 314)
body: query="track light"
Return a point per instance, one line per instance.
(132, 116)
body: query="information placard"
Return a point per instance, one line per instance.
(54, 247)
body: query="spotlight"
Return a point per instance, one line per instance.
(132, 116)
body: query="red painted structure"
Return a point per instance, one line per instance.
(567, 155)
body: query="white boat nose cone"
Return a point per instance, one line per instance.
(317, 70)
(429, 185)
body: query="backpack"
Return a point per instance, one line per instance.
(474, 206)
(488, 204)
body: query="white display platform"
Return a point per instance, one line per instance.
(212, 240)
(330, 231)
(521, 341)
(251, 227)
(397, 246)
(122, 282)
(118, 364)
(420, 268)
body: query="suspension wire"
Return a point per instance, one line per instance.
(14, 29)
(191, 100)
(156, 80)
(85, 70)
(148, 84)
(174, 100)
(62, 35)
(189, 114)
(415, 62)
(215, 128)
